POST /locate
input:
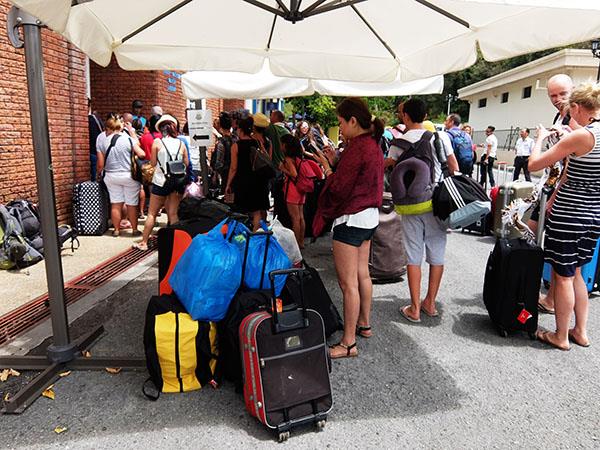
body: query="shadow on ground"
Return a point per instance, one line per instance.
(392, 377)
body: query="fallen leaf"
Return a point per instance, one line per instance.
(49, 393)
(64, 374)
(87, 354)
(14, 373)
(59, 430)
(4, 375)
(114, 370)
(7, 396)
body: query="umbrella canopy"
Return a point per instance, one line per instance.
(207, 84)
(350, 40)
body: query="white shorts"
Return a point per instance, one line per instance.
(122, 188)
(424, 233)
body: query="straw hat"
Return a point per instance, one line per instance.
(261, 121)
(165, 118)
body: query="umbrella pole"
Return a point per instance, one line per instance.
(63, 354)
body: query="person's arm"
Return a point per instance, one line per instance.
(578, 142)
(139, 151)
(452, 163)
(99, 162)
(289, 168)
(184, 151)
(154, 152)
(232, 167)
(389, 162)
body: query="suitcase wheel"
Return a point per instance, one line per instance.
(321, 424)
(284, 436)
(502, 332)
(532, 335)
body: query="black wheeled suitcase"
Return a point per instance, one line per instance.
(512, 280)
(90, 208)
(315, 297)
(286, 367)
(387, 261)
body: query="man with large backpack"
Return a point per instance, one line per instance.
(461, 144)
(422, 231)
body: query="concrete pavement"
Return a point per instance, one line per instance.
(449, 382)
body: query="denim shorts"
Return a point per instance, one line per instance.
(352, 235)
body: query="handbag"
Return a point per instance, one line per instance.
(261, 162)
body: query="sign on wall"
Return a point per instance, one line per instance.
(200, 126)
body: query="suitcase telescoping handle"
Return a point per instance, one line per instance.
(249, 236)
(293, 319)
(544, 194)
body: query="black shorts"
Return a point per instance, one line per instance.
(166, 190)
(352, 235)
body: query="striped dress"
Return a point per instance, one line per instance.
(573, 226)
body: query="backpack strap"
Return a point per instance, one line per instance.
(441, 155)
(113, 142)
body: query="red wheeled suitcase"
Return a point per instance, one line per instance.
(286, 366)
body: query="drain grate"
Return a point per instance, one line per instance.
(30, 314)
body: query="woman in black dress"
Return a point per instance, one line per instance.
(251, 192)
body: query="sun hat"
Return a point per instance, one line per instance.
(261, 121)
(165, 118)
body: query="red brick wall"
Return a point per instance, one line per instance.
(67, 117)
(114, 89)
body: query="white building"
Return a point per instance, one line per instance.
(518, 98)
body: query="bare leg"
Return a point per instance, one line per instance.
(345, 258)
(255, 220)
(365, 286)
(141, 204)
(156, 202)
(435, 279)
(548, 301)
(302, 225)
(294, 211)
(414, 286)
(115, 215)
(564, 304)
(173, 201)
(581, 309)
(132, 215)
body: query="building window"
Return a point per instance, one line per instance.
(504, 98)
(527, 92)
(482, 102)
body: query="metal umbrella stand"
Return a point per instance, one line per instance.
(63, 354)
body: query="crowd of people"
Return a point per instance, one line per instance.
(256, 158)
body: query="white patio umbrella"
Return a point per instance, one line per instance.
(209, 84)
(352, 40)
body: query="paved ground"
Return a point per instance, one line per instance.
(20, 286)
(449, 382)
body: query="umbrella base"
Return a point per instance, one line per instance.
(51, 370)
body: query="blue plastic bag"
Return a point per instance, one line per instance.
(277, 259)
(208, 274)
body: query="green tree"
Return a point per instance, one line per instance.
(321, 108)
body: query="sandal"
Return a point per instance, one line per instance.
(404, 313)
(576, 341)
(542, 335)
(136, 233)
(348, 348)
(140, 246)
(364, 331)
(434, 313)
(116, 233)
(543, 309)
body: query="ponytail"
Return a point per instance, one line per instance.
(377, 127)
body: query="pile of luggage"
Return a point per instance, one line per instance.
(21, 240)
(232, 308)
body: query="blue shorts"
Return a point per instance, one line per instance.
(352, 235)
(164, 191)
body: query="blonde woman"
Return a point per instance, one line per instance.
(114, 158)
(573, 226)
